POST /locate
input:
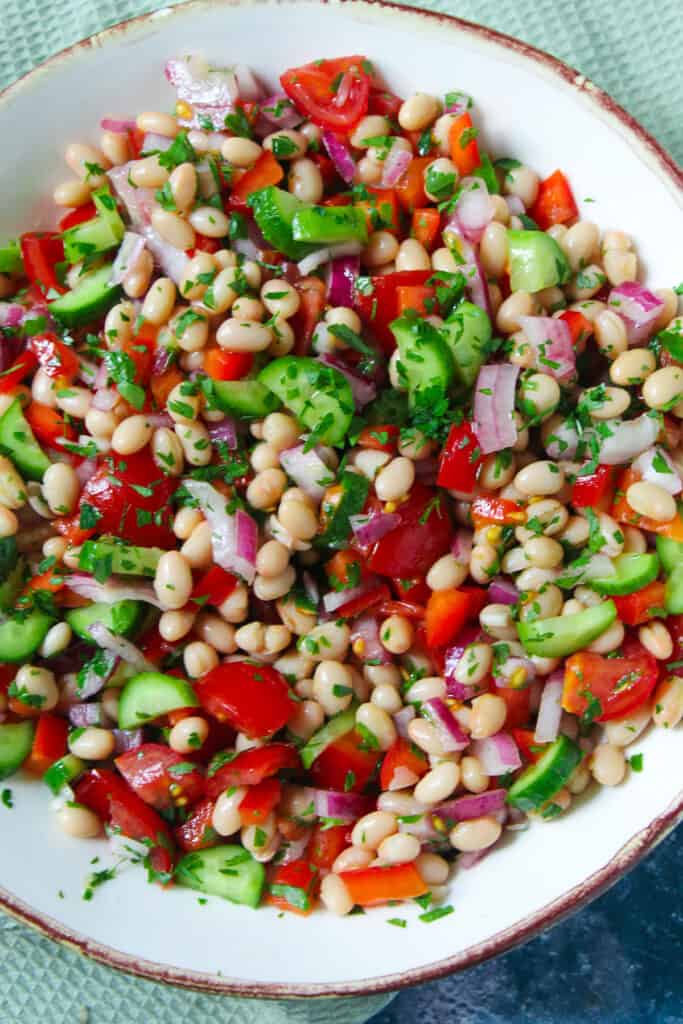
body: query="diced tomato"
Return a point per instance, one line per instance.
(518, 705)
(292, 887)
(127, 493)
(49, 425)
(312, 300)
(594, 491)
(384, 103)
(162, 384)
(77, 216)
(266, 171)
(251, 767)
(609, 688)
(402, 766)
(254, 698)
(49, 743)
(460, 459)
(413, 590)
(381, 209)
(51, 581)
(317, 88)
(530, 750)
(411, 189)
(407, 609)
(579, 326)
(345, 765)
(204, 244)
(423, 535)
(220, 364)
(141, 350)
(377, 305)
(215, 587)
(115, 802)
(197, 833)
(382, 438)
(345, 569)
(462, 139)
(136, 139)
(41, 251)
(425, 226)
(370, 599)
(161, 777)
(370, 886)
(154, 647)
(326, 844)
(555, 203)
(56, 359)
(417, 297)
(497, 511)
(447, 613)
(24, 365)
(643, 605)
(675, 626)
(259, 801)
(623, 513)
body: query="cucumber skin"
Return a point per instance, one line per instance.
(16, 740)
(81, 618)
(136, 710)
(27, 455)
(204, 871)
(333, 730)
(563, 748)
(611, 585)
(573, 636)
(29, 631)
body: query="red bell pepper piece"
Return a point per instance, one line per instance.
(369, 886)
(555, 203)
(425, 226)
(345, 765)
(326, 844)
(518, 705)
(594, 491)
(56, 359)
(259, 801)
(49, 425)
(460, 459)
(411, 190)
(381, 209)
(22, 366)
(77, 216)
(41, 251)
(215, 587)
(462, 138)
(266, 171)
(423, 535)
(381, 438)
(377, 305)
(643, 605)
(293, 886)
(530, 750)
(49, 743)
(447, 613)
(579, 326)
(420, 298)
(497, 511)
(220, 364)
(402, 760)
(370, 599)
(251, 767)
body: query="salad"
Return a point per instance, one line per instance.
(340, 482)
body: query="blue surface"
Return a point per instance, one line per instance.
(616, 962)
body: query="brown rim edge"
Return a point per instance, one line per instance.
(633, 850)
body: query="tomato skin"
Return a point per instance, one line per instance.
(214, 587)
(49, 425)
(420, 298)
(385, 103)
(25, 364)
(623, 513)
(402, 754)
(220, 364)
(255, 699)
(370, 599)
(497, 511)
(412, 547)
(341, 565)
(555, 203)
(414, 590)
(447, 613)
(411, 191)
(331, 768)
(374, 437)
(252, 766)
(113, 801)
(41, 251)
(311, 89)
(530, 750)
(594, 491)
(297, 875)
(266, 171)
(326, 844)
(149, 771)
(608, 681)
(370, 886)
(118, 504)
(379, 308)
(460, 459)
(49, 743)
(197, 833)
(425, 226)
(518, 705)
(259, 801)
(56, 359)
(78, 216)
(312, 301)
(579, 326)
(643, 605)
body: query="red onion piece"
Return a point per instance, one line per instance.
(316, 259)
(153, 142)
(366, 628)
(494, 403)
(551, 340)
(402, 720)
(118, 125)
(225, 432)
(498, 754)
(468, 860)
(93, 682)
(196, 83)
(311, 588)
(550, 708)
(128, 256)
(105, 399)
(341, 279)
(278, 111)
(461, 548)
(122, 648)
(82, 715)
(638, 307)
(334, 599)
(307, 469)
(515, 205)
(115, 589)
(469, 634)
(248, 85)
(621, 441)
(369, 529)
(656, 467)
(475, 806)
(460, 103)
(293, 849)
(234, 536)
(364, 391)
(477, 286)
(127, 739)
(423, 829)
(395, 166)
(330, 803)
(159, 419)
(340, 155)
(161, 361)
(473, 209)
(11, 314)
(502, 591)
(449, 729)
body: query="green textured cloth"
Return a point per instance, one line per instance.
(632, 50)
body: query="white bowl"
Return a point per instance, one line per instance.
(529, 106)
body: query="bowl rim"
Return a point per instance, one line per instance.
(635, 848)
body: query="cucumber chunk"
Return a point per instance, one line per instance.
(16, 740)
(226, 871)
(150, 694)
(634, 571)
(120, 617)
(115, 557)
(248, 399)
(541, 781)
(536, 261)
(274, 211)
(565, 634)
(331, 731)
(22, 634)
(92, 297)
(425, 358)
(328, 225)
(18, 442)
(319, 396)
